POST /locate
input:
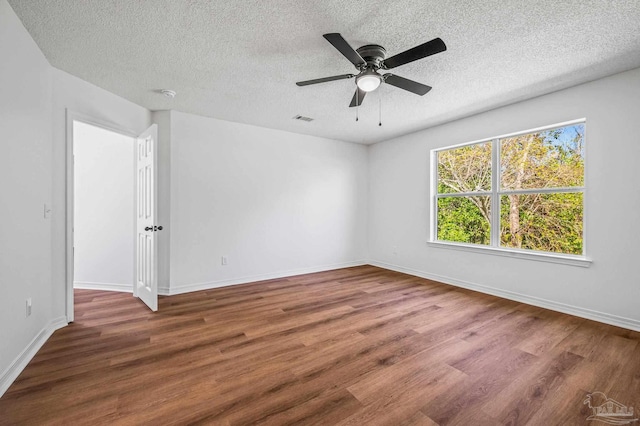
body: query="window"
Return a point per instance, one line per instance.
(521, 192)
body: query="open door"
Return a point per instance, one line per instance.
(146, 283)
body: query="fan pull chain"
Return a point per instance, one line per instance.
(357, 103)
(379, 107)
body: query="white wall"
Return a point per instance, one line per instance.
(274, 202)
(25, 186)
(103, 208)
(609, 290)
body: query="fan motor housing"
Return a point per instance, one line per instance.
(373, 55)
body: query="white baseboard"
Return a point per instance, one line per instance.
(603, 317)
(13, 371)
(87, 285)
(187, 288)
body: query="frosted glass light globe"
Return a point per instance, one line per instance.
(369, 81)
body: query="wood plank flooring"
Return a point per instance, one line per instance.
(355, 346)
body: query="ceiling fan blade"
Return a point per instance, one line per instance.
(343, 47)
(358, 96)
(325, 79)
(406, 84)
(427, 49)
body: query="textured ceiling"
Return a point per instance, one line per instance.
(239, 60)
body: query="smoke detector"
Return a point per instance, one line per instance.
(168, 93)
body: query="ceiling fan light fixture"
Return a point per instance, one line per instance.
(371, 58)
(369, 80)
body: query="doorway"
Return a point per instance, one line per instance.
(98, 145)
(111, 188)
(103, 223)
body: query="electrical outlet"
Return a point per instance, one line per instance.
(28, 306)
(224, 260)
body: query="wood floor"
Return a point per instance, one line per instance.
(355, 346)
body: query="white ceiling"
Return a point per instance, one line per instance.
(238, 60)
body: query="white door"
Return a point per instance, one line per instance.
(146, 286)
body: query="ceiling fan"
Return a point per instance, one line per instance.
(369, 59)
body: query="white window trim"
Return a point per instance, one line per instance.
(541, 256)
(494, 247)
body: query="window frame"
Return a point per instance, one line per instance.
(496, 194)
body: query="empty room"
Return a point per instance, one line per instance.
(331, 213)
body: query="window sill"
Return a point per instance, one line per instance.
(518, 254)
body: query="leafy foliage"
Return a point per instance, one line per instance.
(459, 219)
(546, 222)
(465, 169)
(539, 221)
(550, 159)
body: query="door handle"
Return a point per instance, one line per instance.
(157, 228)
(148, 228)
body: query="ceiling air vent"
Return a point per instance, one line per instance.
(302, 118)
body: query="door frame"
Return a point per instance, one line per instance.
(70, 117)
